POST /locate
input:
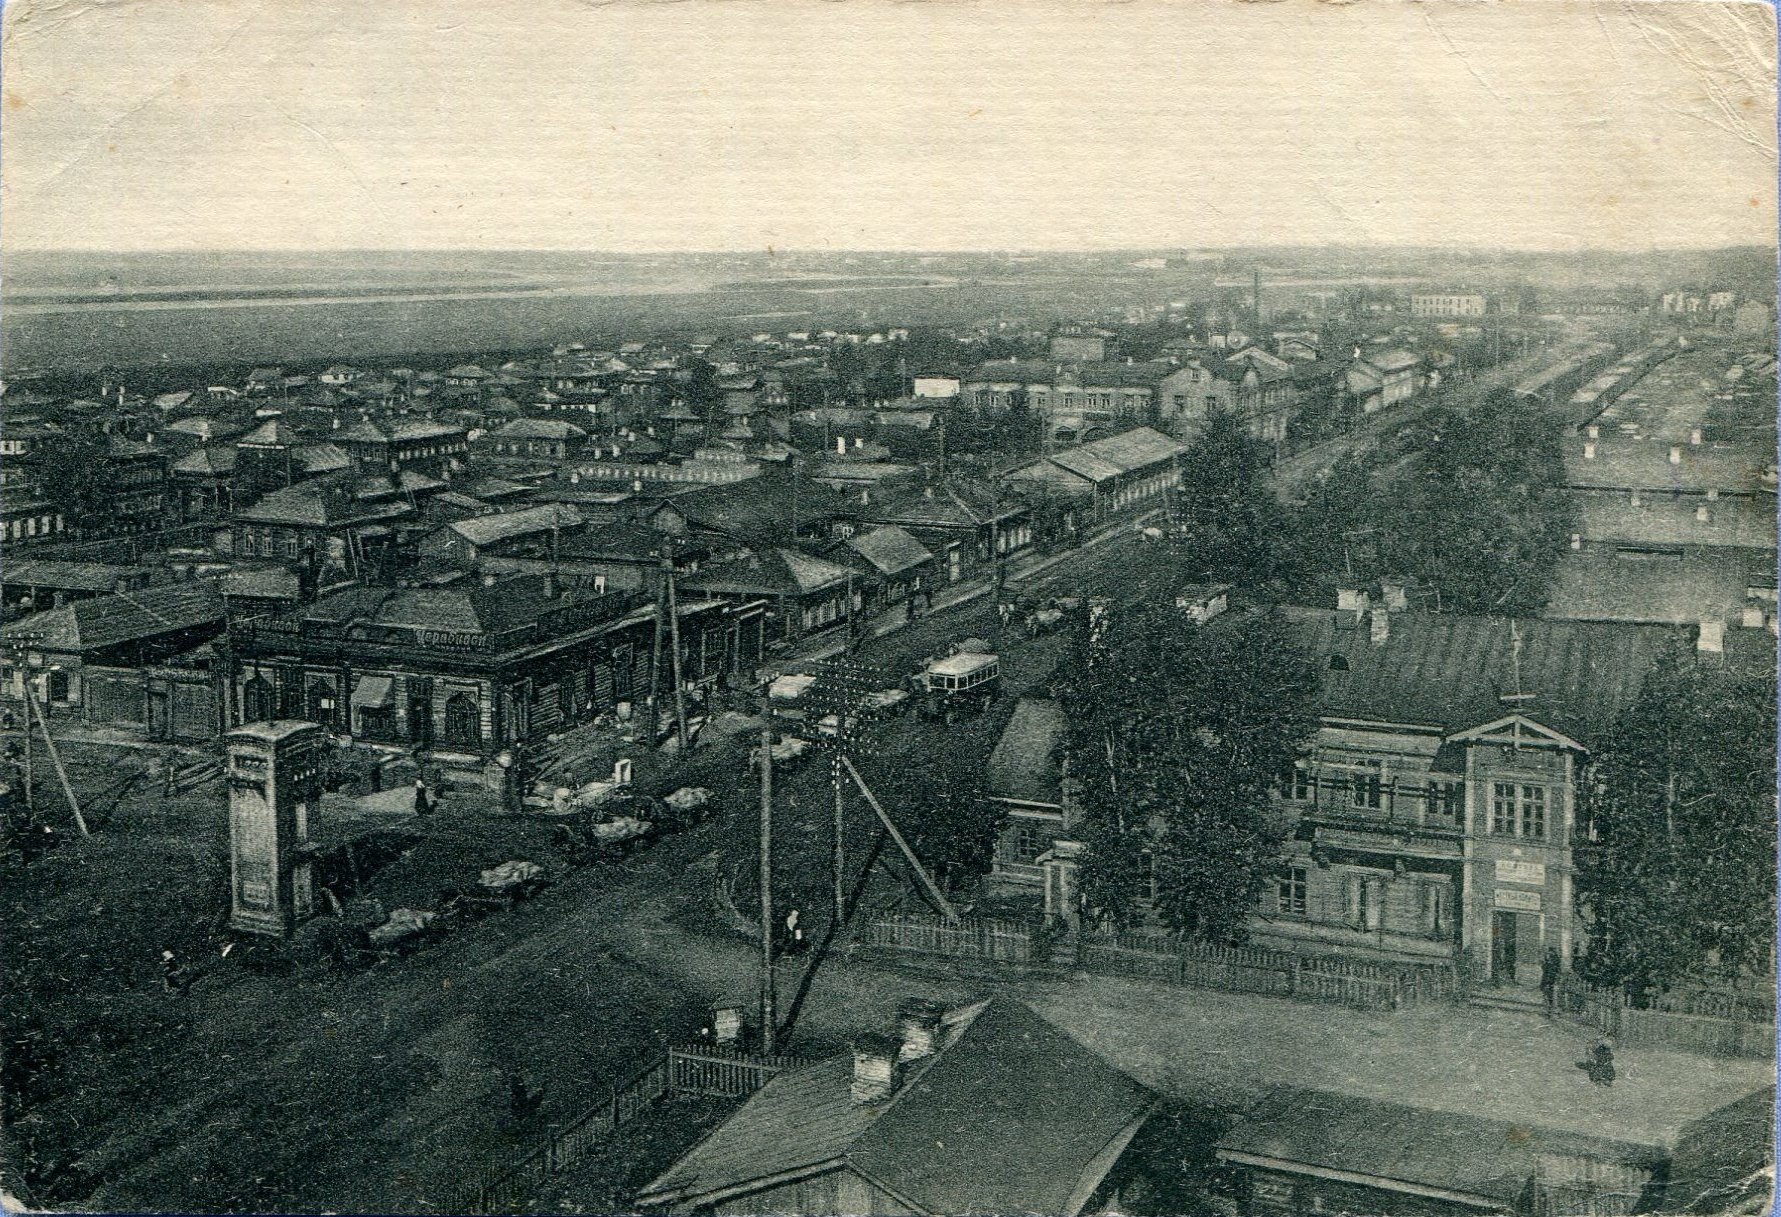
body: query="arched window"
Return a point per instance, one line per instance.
(463, 724)
(258, 704)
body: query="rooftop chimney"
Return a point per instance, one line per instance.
(1588, 450)
(1351, 600)
(840, 445)
(1675, 454)
(1753, 618)
(1695, 436)
(875, 1066)
(1381, 625)
(1595, 432)
(1712, 637)
(918, 1024)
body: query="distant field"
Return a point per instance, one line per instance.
(166, 326)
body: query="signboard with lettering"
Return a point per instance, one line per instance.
(1519, 901)
(1532, 873)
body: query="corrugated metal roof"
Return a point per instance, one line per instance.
(490, 529)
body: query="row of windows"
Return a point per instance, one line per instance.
(1426, 909)
(34, 526)
(1518, 809)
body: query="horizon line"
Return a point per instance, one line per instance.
(771, 251)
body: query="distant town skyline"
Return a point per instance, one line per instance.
(1531, 125)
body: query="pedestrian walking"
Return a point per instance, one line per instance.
(1549, 970)
(423, 801)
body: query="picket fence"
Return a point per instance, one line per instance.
(704, 1070)
(1174, 960)
(978, 938)
(1706, 1021)
(1320, 978)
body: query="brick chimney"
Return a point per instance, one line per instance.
(1352, 600)
(875, 1066)
(1380, 621)
(1675, 454)
(918, 1025)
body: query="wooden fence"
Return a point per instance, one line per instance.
(1706, 1021)
(704, 1070)
(722, 1072)
(1320, 978)
(1000, 941)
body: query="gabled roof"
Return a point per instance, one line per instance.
(1393, 360)
(469, 371)
(492, 488)
(106, 621)
(1008, 1115)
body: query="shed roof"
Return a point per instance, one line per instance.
(504, 526)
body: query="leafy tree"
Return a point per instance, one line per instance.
(1679, 802)
(1176, 734)
(1235, 529)
(73, 470)
(941, 809)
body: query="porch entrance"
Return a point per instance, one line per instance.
(1502, 947)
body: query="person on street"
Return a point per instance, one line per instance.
(423, 801)
(1549, 970)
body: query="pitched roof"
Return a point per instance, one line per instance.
(539, 428)
(1008, 1115)
(889, 550)
(1490, 1160)
(472, 608)
(269, 583)
(207, 461)
(317, 504)
(1122, 375)
(1452, 672)
(504, 526)
(774, 572)
(320, 458)
(492, 488)
(66, 576)
(105, 621)
(1023, 764)
(272, 432)
(1393, 360)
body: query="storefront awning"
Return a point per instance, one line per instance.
(373, 692)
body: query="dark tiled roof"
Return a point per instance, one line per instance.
(1008, 1116)
(1487, 1159)
(208, 461)
(317, 504)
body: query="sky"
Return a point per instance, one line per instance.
(884, 124)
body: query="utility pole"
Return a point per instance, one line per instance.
(769, 999)
(674, 640)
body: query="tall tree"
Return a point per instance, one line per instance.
(1176, 734)
(1679, 806)
(73, 470)
(1234, 529)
